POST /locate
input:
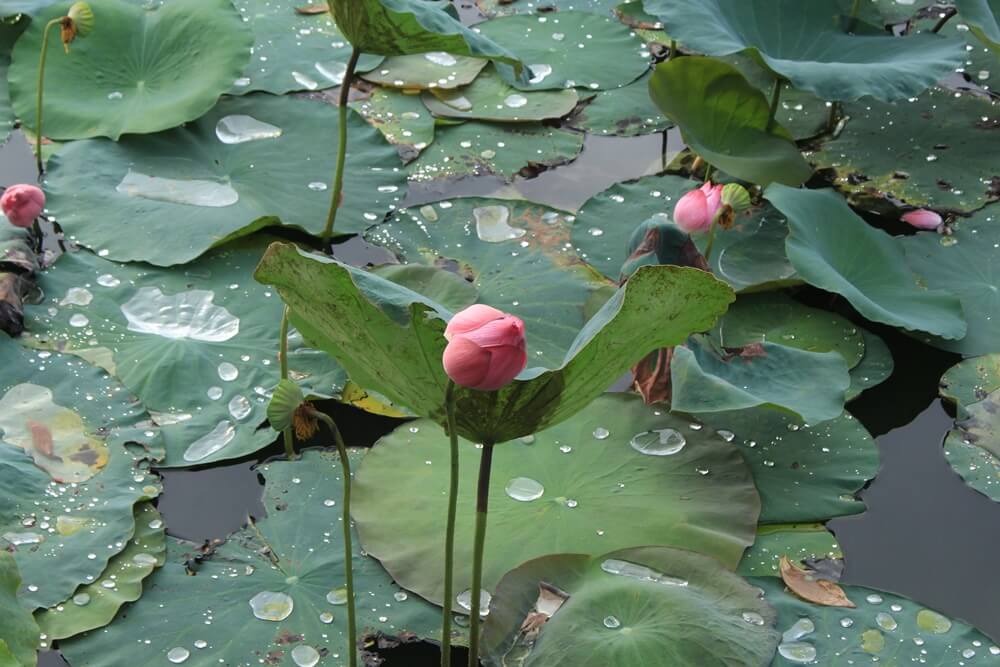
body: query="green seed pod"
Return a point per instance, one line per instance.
(285, 401)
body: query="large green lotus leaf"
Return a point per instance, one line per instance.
(623, 112)
(493, 99)
(805, 43)
(834, 249)
(390, 339)
(494, 8)
(967, 265)
(142, 69)
(776, 318)
(477, 149)
(750, 256)
(402, 119)
(884, 628)
(423, 71)
(69, 480)
(515, 255)
(618, 474)
(94, 605)
(570, 49)
(9, 32)
(707, 378)
(167, 198)
(983, 17)
(639, 606)
(805, 473)
(287, 568)
(449, 289)
(875, 367)
(973, 446)
(725, 120)
(19, 635)
(932, 151)
(798, 541)
(292, 50)
(197, 345)
(29, 7)
(409, 27)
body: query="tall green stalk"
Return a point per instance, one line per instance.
(775, 98)
(338, 177)
(283, 359)
(352, 623)
(449, 536)
(41, 85)
(482, 507)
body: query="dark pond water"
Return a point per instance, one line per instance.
(925, 535)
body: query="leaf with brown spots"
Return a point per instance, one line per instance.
(807, 585)
(318, 8)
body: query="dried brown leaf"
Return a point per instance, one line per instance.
(319, 8)
(807, 585)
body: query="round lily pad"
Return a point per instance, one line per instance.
(494, 8)
(623, 112)
(797, 541)
(875, 367)
(570, 49)
(973, 446)
(493, 99)
(70, 482)
(20, 633)
(273, 589)
(584, 486)
(402, 119)
(422, 71)
(252, 161)
(142, 69)
(198, 345)
(515, 255)
(294, 50)
(626, 607)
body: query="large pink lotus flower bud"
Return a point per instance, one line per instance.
(923, 219)
(695, 211)
(22, 204)
(486, 348)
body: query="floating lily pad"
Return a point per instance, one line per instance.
(293, 50)
(252, 161)
(835, 250)
(197, 345)
(932, 151)
(797, 541)
(884, 628)
(19, 637)
(618, 474)
(805, 473)
(272, 589)
(983, 17)
(141, 70)
(544, 284)
(95, 605)
(626, 607)
(495, 8)
(422, 71)
(477, 149)
(402, 119)
(493, 99)
(875, 367)
(68, 415)
(727, 121)
(776, 318)
(973, 446)
(805, 43)
(623, 112)
(706, 378)
(570, 49)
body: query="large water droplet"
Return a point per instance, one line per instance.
(601, 433)
(933, 622)
(240, 408)
(333, 71)
(515, 101)
(305, 81)
(178, 654)
(464, 601)
(189, 315)
(77, 296)
(492, 224)
(19, 539)
(228, 372)
(641, 572)
(214, 393)
(211, 442)
(79, 320)
(612, 623)
(192, 192)
(524, 489)
(661, 442)
(441, 58)
(753, 618)
(885, 621)
(81, 599)
(108, 280)
(455, 100)
(539, 72)
(240, 128)
(304, 655)
(799, 629)
(800, 653)
(144, 560)
(270, 606)
(337, 597)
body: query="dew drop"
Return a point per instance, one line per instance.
(885, 621)
(801, 628)
(79, 320)
(492, 224)
(317, 186)
(200, 643)
(326, 618)
(874, 598)
(612, 623)
(933, 622)
(211, 442)
(753, 618)
(115, 95)
(191, 192)
(515, 101)
(77, 296)
(81, 599)
(240, 408)
(641, 572)
(400, 596)
(228, 372)
(441, 58)
(799, 653)
(270, 606)
(240, 128)
(190, 315)
(214, 393)
(524, 489)
(728, 436)
(178, 654)
(601, 433)
(304, 655)
(660, 442)
(108, 280)
(464, 600)
(337, 597)
(539, 73)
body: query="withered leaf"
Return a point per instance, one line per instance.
(318, 8)
(807, 585)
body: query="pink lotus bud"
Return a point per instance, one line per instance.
(22, 204)
(486, 348)
(923, 219)
(695, 211)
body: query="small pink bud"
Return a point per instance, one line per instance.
(923, 219)
(22, 204)
(486, 348)
(695, 211)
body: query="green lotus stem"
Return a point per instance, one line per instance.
(711, 242)
(283, 359)
(775, 98)
(449, 536)
(709, 170)
(482, 507)
(338, 177)
(41, 84)
(831, 123)
(855, 9)
(352, 623)
(673, 50)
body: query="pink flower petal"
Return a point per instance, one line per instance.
(471, 318)
(465, 362)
